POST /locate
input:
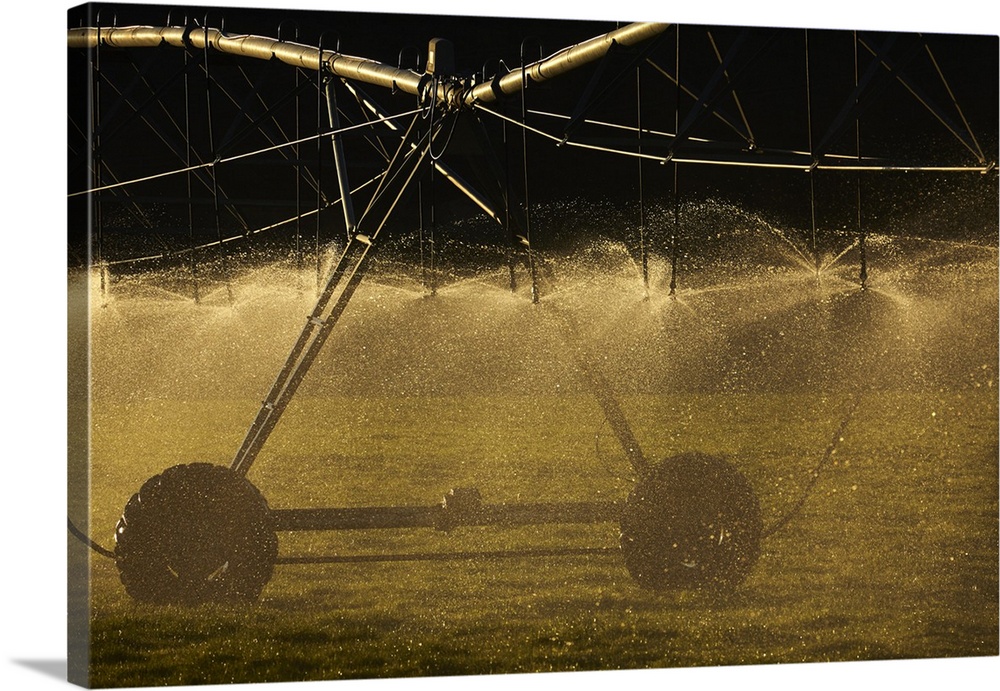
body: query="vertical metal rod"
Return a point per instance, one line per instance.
(863, 272)
(96, 149)
(432, 233)
(319, 161)
(421, 229)
(643, 255)
(187, 156)
(340, 162)
(420, 234)
(296, 150)
(811, 171)
(527, 203)
(812, 215)
(506, 210)
(213, 168)
(677, 110)
(298, 172)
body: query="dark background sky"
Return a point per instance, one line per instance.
(771, 87)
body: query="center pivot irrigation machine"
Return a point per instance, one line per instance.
(201, 532)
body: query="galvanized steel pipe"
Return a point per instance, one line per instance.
(453, 93)
(564, 61)
(259, 47)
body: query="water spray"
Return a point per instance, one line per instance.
(203, 533)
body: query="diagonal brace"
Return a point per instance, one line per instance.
(341, 284)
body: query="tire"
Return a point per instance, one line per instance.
(692, 523)
(195, 533)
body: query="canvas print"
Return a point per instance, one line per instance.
(406, 345)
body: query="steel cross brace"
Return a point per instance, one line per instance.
(341, 283)
(609, 77)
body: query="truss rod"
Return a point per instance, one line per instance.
(233, 137)
(447, 171)
(750, 160)
(713, 91)
(365, 105)
(688, 92)
(926, 102)
(736, 99)
(341, 284)
(954, 101)
(172, 146)
(614, 125)
(236, 157)
(152, 98)
(566, 142)
(643, 254)
(233, 238)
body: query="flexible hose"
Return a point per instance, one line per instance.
(82, 537)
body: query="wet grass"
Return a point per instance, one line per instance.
(894, 555)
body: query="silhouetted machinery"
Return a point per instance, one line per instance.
(201, 532)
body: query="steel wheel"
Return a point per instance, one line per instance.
(195, 533)
(692, 522)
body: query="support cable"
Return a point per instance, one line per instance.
(394, 169)
(804, 165)
(173, 146)
(646, 131)
(690, 94)
(365, 106)
(560, 141)
(139, 108)
(677, 115)
(268, 114)
(643, 256)
(449, 174)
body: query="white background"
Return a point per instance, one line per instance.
(33, 397)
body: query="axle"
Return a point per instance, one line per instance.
(460, 507)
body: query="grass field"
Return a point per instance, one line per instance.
(894, 554)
